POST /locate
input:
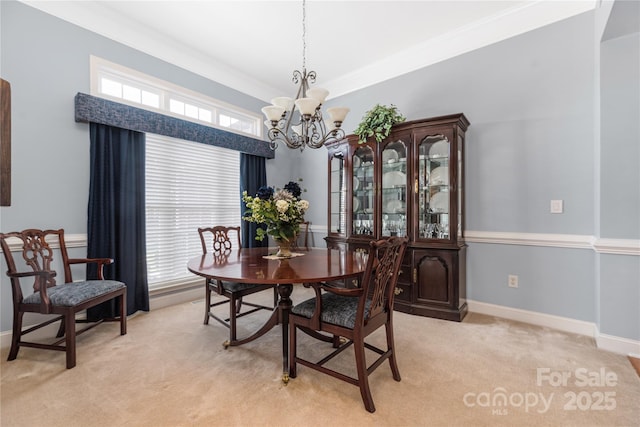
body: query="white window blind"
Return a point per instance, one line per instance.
(188, 185)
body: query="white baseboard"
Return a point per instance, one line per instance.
(46, 333)
(605, 342)
(564, 324)
(178, 297)
(618, 345)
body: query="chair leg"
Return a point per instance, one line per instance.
(70, 338)
(123, 314)
(238, 305)
(391, 346)
(16, 334)
(207, 302)
(363, 377)
(61, 329)
(336, 341)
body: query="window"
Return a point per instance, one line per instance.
(188, 185)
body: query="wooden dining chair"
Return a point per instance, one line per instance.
(353, 314)
(36, 248)
(219, 241)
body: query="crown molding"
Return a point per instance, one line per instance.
(521, 18)
(509, 23)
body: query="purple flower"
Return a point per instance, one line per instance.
(265, 193)
(293, 188)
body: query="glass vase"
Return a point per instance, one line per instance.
(284, 247)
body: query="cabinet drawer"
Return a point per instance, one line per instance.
(404, 275)
(403, 292)
(338, 245)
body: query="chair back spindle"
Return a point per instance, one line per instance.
(37, 254)
(380, 277)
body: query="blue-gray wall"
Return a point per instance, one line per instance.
(535, 103)
(46, 61)
(619, 186)
(530, 101)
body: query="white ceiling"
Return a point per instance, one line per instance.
(254, 46)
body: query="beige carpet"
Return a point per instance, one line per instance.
(171, 370)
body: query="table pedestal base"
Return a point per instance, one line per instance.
(280, 315)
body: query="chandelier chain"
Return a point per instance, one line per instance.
(304, 35)
(298, 122)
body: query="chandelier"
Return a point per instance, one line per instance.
(298, 122)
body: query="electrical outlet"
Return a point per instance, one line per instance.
(513, 281)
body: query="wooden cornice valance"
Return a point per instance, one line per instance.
(90, 108)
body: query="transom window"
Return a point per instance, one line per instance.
(121, 84)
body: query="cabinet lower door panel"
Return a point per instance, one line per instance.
(437, 286)
(433, 279)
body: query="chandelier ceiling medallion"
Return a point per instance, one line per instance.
(298, 122)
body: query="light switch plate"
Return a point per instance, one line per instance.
(556, 206)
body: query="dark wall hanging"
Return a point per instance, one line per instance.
(5, 143)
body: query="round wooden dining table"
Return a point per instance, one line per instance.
(259, 266)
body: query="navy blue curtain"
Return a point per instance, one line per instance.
(253, 175)
(116, 214)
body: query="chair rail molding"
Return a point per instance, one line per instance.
(569, 241)
(71, 240)
(617, 246)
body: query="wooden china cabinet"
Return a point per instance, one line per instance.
(409, 184)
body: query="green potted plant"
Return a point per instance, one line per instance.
(377, 122)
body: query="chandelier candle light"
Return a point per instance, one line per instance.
(299, 123)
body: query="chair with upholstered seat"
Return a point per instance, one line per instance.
(221, 246)
(353, 314)
(65, 300)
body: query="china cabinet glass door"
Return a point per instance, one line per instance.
(433, 187)
(363, 191)
(394, 189)
(338, 195)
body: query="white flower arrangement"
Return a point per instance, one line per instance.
(282, 211)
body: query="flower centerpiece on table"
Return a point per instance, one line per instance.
(282, 211)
